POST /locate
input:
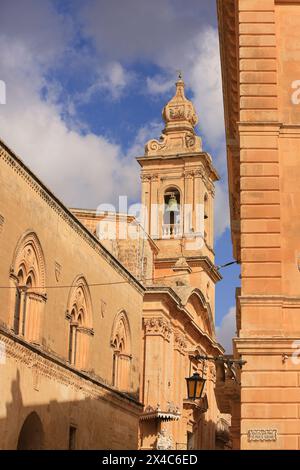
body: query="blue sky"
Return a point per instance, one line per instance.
(86, 82)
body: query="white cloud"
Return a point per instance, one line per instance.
(151, 131)
(37, 25)
(221, 209)
(227, 330)
(158, 85)
(206, 84)
(83, 169)
(111, 78)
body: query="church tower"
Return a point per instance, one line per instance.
(178, 198)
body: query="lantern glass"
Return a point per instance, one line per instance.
(195, 386)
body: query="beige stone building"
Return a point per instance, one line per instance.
(99, 332)
(261, 71)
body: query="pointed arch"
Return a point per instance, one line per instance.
(121, 344)
(80, 319)
(30, 256)
(31, 435)
(197, 302)
(28, 277)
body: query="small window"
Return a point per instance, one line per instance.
(72, 437)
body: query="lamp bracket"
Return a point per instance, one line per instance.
(224, 360)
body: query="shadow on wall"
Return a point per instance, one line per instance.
(64, 425)
(84, 424)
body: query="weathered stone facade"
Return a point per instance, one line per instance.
(36, 368)
(260, 63)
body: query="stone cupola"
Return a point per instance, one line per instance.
(179, 134)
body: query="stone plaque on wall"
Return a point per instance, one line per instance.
(262, 435)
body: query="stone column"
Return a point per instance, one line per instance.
(157, 332)
(146, 188)
(155, 225)
(188, 202)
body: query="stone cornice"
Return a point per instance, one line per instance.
(55, 204)
(273, 300)
(272, 345)
(210, 267)
(55, 368)
(228, 33)
(229, 46)
(204, 156)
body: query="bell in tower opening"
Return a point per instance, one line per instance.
(171, 222)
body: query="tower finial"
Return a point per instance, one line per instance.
(179, 72)
(179, 135)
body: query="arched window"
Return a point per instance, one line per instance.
(171, 218)
(79, 316)
(121, 345)
(28, 297)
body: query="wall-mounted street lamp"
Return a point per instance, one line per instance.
(195, 386)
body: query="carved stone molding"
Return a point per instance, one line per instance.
(158, 326)
(55, 370)
(212, 373)
(180, 343)
(145, 178)
(199, 173)
(164, 441)
(87, 331)
(189, 174)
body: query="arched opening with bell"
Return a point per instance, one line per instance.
(172, 214)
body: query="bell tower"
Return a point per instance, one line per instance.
(178, 198)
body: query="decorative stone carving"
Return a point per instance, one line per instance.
(152, 409)
(145, 178)
(180, 343)
(212, 373)
(188, 174)
(172, 408)
(164, 441)
(199, 173)
(179, 134)
(262, 435)
(156, 146)
(158, 326)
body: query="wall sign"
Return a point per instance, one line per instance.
(262, 435)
